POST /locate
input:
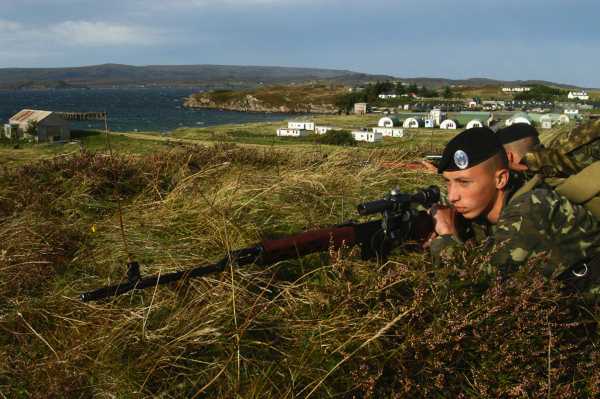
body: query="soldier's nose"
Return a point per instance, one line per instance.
(453, 195)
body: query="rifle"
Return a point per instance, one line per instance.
(400, 223)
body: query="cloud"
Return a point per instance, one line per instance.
(88, 33)
(75, 33)
(9, 26)
(31, 44)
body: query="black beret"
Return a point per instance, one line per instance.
(516, 131)
(469, 148)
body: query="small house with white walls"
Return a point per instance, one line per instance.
(389, 131)
(301, 125)
(448, 124)
(324, 129)
(361, 108)
(429, 123)
(38, 125)
(571, 112)
(287, 132)
(411, 123)
(578, 95)
(369, 137)
(474, 123)
(389, 121)
(547, 121)
(437, 115)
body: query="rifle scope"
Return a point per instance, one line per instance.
(396, 201)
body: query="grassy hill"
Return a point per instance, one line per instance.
(329, 325)
(109, 75)
(318, 98)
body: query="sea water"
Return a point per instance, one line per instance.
(131, 109)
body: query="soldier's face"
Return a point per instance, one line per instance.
(474, 191)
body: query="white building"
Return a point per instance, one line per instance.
(448, 124)
(389, 121)
(287, 132)
(474, 123)
(389, 131)
(437, 115)
(547, 121)
(361, 108)
(324, 129)
(411, 123)
(369, 137)
(515, 89)
(387, 96)
(578, 95)
(493, 105)
(571, 112)
(43, 126)
(518, 118)
(301, 125)
(429, 123)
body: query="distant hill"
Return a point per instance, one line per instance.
(480, 82)
(214, 77)
(211, 76)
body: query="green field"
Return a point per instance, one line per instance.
(328, 325)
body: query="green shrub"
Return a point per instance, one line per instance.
(337, 137)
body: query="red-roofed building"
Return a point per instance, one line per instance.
(38, 125)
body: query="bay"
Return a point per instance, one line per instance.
(129, 109)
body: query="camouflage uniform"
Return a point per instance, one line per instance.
(564, 154)
(537, 222)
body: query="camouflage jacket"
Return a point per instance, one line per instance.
(564, 153)
(538, 222)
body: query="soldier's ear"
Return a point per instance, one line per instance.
(501, 178)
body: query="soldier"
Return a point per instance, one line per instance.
(516, 224)
(518, 139)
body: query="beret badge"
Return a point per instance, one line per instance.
(461, 159)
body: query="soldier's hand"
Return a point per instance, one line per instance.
(445, 219)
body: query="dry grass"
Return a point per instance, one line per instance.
(326, 325)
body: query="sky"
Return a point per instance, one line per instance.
(555, 40)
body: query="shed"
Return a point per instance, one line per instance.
(324, 129)
(474, 123)
(437, 115)
(303, 125)
(287, 132)
(389, 131)
(361, 108)
(40, 125)
(411, 123)
(519, 117)
(370, 137)
(389, 121)
(448, 124)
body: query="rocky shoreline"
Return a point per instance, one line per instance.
(249, 103)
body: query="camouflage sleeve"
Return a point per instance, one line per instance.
(542, 221)
(444, 247)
